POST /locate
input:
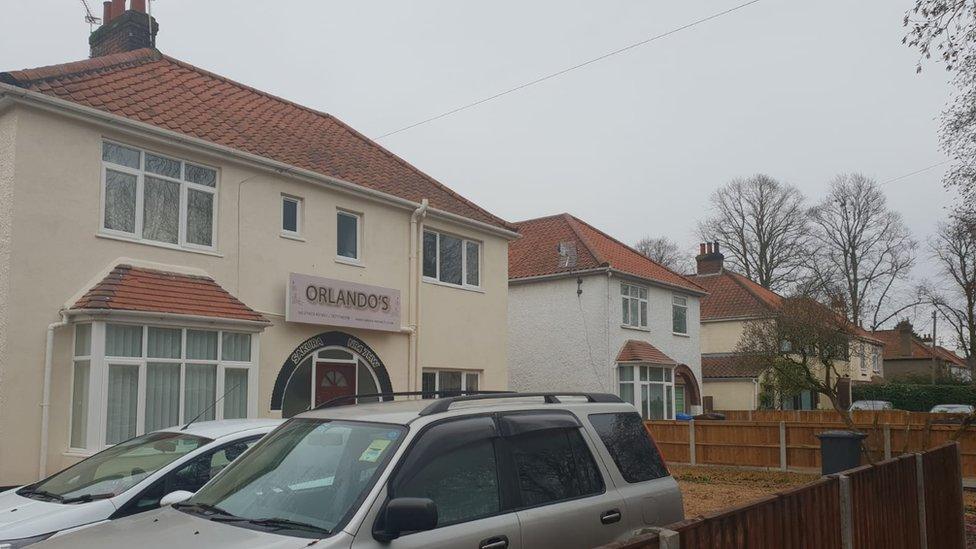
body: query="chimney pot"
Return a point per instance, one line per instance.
(711, 261)
(106, 12)
(716, 247)
(118, 7)
(138, 5)
(701, 249)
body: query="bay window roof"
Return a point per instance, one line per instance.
(636, 350)
(128, 288)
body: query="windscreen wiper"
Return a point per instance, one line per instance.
(219, 512)
(85, 498)
(42, 493)
(288, 524)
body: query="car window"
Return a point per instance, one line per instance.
(454, 465)
(630, 446)
(553, 465)
(190, 476)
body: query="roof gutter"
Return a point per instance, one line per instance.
(199, 319)
(39, 100)
(555, 276)
(668, 285)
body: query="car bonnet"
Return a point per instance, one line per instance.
(22, 517)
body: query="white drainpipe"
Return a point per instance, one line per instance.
(416, 236)
(46, 393)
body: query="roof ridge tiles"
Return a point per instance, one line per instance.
(84, 66)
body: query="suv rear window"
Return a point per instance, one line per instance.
(630, 445)
(553, 465)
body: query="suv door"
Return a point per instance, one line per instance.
(455, 464)
(563, 498)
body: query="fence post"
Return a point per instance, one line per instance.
(887, 441)
(750, 415)
(691, 442)
(846, 512)
(782, 445)
(920, 497)
(668, 539)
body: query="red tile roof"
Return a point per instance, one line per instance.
(641, 351)
(537, 252)
(732, 296)
(918, 349)
(129, 288)
(728, 365)
(150, 87)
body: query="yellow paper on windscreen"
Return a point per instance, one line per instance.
(374, 450)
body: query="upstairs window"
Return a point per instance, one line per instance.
(291, 216)
(679, 315)
(452, 260)
(348, 235)
(155, 198)
(634, 301)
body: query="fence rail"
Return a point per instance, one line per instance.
(794, 445)
(899, 417)
(912, 501)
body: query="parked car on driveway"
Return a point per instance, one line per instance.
(875, 405)
(126, 479)
(952, 409)
(479, 471)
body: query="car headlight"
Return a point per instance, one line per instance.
(24, 542)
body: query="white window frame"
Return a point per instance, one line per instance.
(464, 260)
(667, 376)
(875, 360)
(476, 374)
(864, 358)
(185, 187)
(358, 260)
(676, 305)
(299, 216)
(641, 323)
(75, 359)
(99, 369)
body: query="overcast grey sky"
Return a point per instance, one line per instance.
(633, 144)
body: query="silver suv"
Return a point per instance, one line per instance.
(487, 471)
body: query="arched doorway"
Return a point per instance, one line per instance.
(326, 366)
(690, 383)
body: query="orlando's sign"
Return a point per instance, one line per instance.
(316, 300)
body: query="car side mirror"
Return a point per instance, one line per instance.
(174, 497)
(406, 515)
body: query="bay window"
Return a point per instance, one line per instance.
(154, 198)
(452, 260)
(130, 379)
(649, 388)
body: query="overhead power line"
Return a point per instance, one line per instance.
(916, 172)
(568, 69)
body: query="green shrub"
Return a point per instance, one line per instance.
(916, 397)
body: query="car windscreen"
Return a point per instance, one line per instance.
(302, 479)
(116, 469)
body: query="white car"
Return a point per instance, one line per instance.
(871, 405)
(952, 409)
(126, 479)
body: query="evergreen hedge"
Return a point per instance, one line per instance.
(916, 397)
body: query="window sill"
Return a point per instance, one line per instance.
(158, 244)
(291, 236)
(78, 453)
(635, 328)
(350, 262)
(679, 334)
(474, 289)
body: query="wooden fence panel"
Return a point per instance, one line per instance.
(943, 497)
(892, 417)
(671, 438)
(884, 495)
(735, 443)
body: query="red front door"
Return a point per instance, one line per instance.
(334, 380)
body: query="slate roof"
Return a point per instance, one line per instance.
(919, 349)
(537, 253)
(641, 351)
(129, 288)
(726, 365)
(147, 86)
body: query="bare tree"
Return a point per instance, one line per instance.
(663, 250)
(954, 248)
(864, 251)
(762, 224)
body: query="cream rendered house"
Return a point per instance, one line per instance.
(732, 302)
(169, 237)
(588, 313)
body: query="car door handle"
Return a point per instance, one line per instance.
(500, 542)
(610, 516)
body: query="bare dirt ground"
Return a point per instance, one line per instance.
(969, 499)
(708, 489)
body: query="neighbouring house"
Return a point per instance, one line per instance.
(588, 313)
(175, 237)
(730, 383)
(908, 355)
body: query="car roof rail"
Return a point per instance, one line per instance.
(390, 396)
(444, 404)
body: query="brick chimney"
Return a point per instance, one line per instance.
(905, 335)
(123, 29)
(710, 259)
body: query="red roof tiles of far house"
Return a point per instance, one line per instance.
(919, 349)
(537, 252)
(727, 365)
(129, 288)
(641, 351)
(147, 86)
